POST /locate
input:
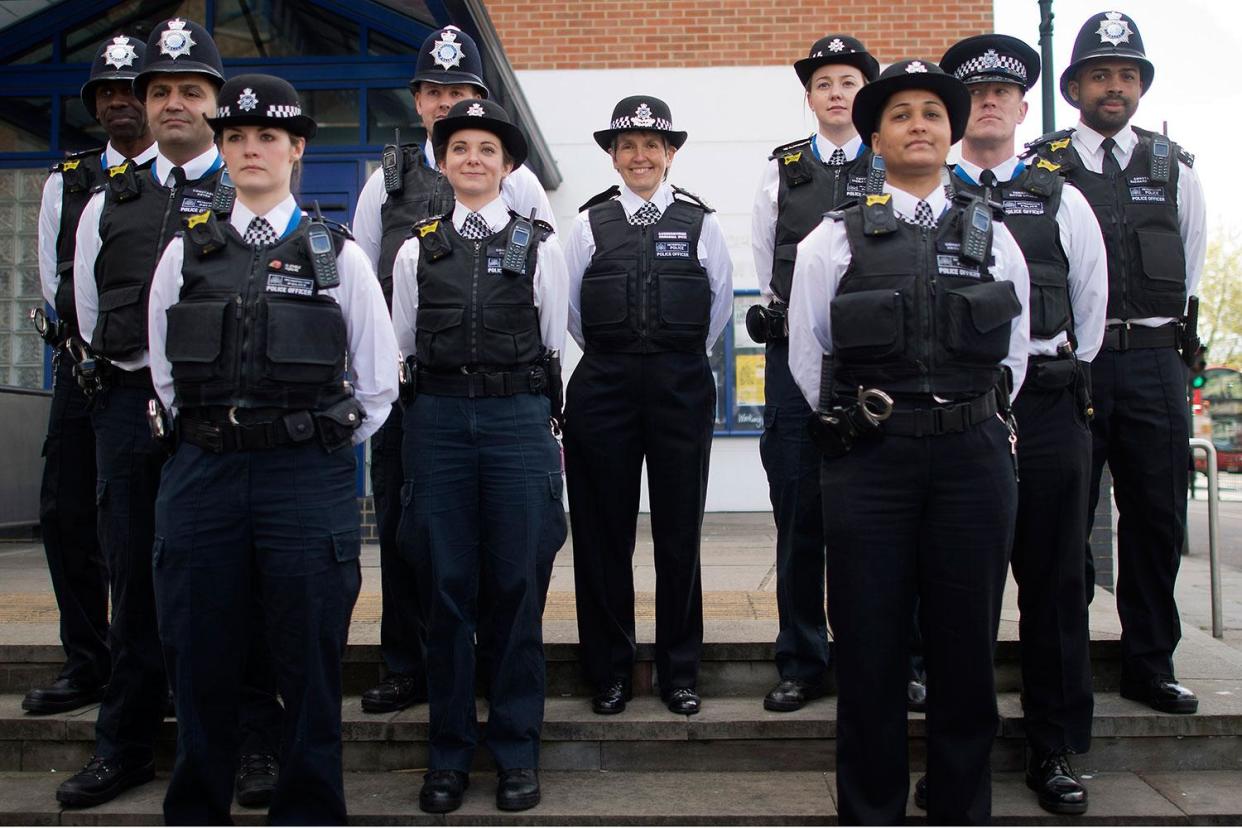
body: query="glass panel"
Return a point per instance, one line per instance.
(21, 351)
(336, 111)
(381, 44)
(717, 362)
(389, 110)
(25, 124)
(78, 130)
(41, 53)
(748, 367)
(133, 17)
(416, 9)
(282, 28)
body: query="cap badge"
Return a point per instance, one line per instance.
(476, 110)
(120, 54)
(990, 59)
(446, 52)
(916, 66)
(1114, 29)
(837, 45)
(247, 100)
(175, 41)
(642, 116)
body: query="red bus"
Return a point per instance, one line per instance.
(1216, 404)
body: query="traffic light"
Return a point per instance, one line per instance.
(1197, 379)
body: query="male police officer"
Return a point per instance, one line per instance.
(405, 190)
(67, 497)
(802, 181)
(121, 234)
(1150, 207)
(1060, 238)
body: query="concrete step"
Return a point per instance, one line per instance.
(667, 798)
(730, 735)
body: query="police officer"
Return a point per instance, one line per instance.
(802, 181)
(121, 234)
(1060, 238)
(1147, 197)
(479, 305)
(271, 344)
(651, 288)
(906, 323)
(67, 496)
(409, 188)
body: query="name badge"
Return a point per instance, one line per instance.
(856, 187)
(672, 249)
(493, 266)
(1023, 207)
(289, 285)
(1147, 195)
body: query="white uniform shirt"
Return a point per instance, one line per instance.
(712, 252)
(1191, 207)
(520, 190)
(1088, 265)
(763, 214)
(823, 258)
(85, 291)
(550, 282)
(49, 218)
(372, 345)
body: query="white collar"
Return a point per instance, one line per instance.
(113, 156)
(1126, 138)
(495, 213)
(194, 169)
(631, 201)
(905, 204)
(1003, 171)
(429, 151)
(824, 147)
(279, 216)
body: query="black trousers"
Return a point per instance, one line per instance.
(621, 409)
(70, 533)
(1140, 429)
(930, 517)
(1054, 455)
(792, 465)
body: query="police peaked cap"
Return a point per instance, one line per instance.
(992, 58)
(261, 100)
(837, 48)
(179, 45)
(480, 114)
(912, 74)
(117, 60)
(640, 113)
(1110, 34)
(449, 56)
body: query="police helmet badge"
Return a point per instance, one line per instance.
(120, 54)
(175, 41)
(447, 52)
(916, 66)
(837, 45)
(990, 59)
(1113, 29)
(642, 116)
(476, 110)
(247, 100)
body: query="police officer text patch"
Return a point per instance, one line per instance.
(1142, 191)
(672, 244)
(290, 285)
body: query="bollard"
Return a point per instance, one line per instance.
(1218, 624)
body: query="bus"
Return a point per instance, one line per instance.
(1216, 406)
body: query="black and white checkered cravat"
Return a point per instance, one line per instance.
(837, 158)
(474, 227)
(645, 215)
(260, 232)
(923, 215)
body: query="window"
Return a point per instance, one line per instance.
(281, 28)
(134, 17)
(78, 130)
(389, 110)
(737, 364)
(336, 111)
(21, 349)
(25, 124)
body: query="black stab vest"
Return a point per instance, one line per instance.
(1030, 203)
(644, 290)
(140, 217)
(911, 316)
(81, 174)
(251, 329)
(808, 188)
(471, 313)
(423, 193)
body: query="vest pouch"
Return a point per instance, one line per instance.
(604, 299)
(195, 338)
(306, 341)
(1050, 302)
(1164, 259)
(867, 326)
(430, 324)
(122, 326)
(685, 300)
(515, 330)
(974, 324)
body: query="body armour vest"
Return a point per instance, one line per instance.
(1138, 216)
(809, 188)
(81, 174)
(420, 194)
(1030, 203)
(912, 314)
(250, 328)
(644, 290)
(140, 217)
(472, 313)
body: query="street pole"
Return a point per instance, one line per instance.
(1049, 81)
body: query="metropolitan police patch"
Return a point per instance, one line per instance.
(120, 54)
(447, 52)
(1113, 29)
(175, 41)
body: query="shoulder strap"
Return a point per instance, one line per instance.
(686, 195)
(789, 149)
(204, 233)
(433, 237)
(599, 198)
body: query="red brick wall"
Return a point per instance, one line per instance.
(614, 34)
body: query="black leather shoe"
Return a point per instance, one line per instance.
(920, 793)
(256, 779)
(612, 698)
(442, 791)
(395, 692)
(61, 695)
(101, 780)
(1163, 694)
(517, 789)
(916, 696)
(683, 701)
(791, 694)
(1060, 791)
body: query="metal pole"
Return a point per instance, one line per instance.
(1046, 76)
(1218, 623)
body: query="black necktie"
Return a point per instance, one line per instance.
(988, 179)
(1111, 168)
(176, 177)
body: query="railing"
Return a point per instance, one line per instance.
(1218, 624)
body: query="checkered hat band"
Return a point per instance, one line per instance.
(223, 112)
(991, 64)
(283, 111)
(627, 122)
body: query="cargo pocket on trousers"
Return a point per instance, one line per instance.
(347, 546)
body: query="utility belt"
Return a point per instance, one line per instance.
(1124, 336)
(949, 418)
(768, 324)
(1050, 373)
(221, 430)
(541, 377)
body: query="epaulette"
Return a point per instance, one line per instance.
(878, 216)
(1058, 141)
(1187, 158)
(545, 229)
(965, 199)
(336, 228)
(792, 148)
(204, 233)
(599, 198)
(839, 213)
(793, 162)
(432, 237)
(692, 198)
(123, 181)
(75, 177)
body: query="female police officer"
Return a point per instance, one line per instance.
(270, 340)
(479, 302)
(912, 304)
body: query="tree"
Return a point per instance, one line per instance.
(1220, 298)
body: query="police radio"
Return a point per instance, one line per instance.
(876, 174)
(1161, 160)
(977, 234)
(322, 252)
(224, 194)
(517, 245)
(391, 161)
